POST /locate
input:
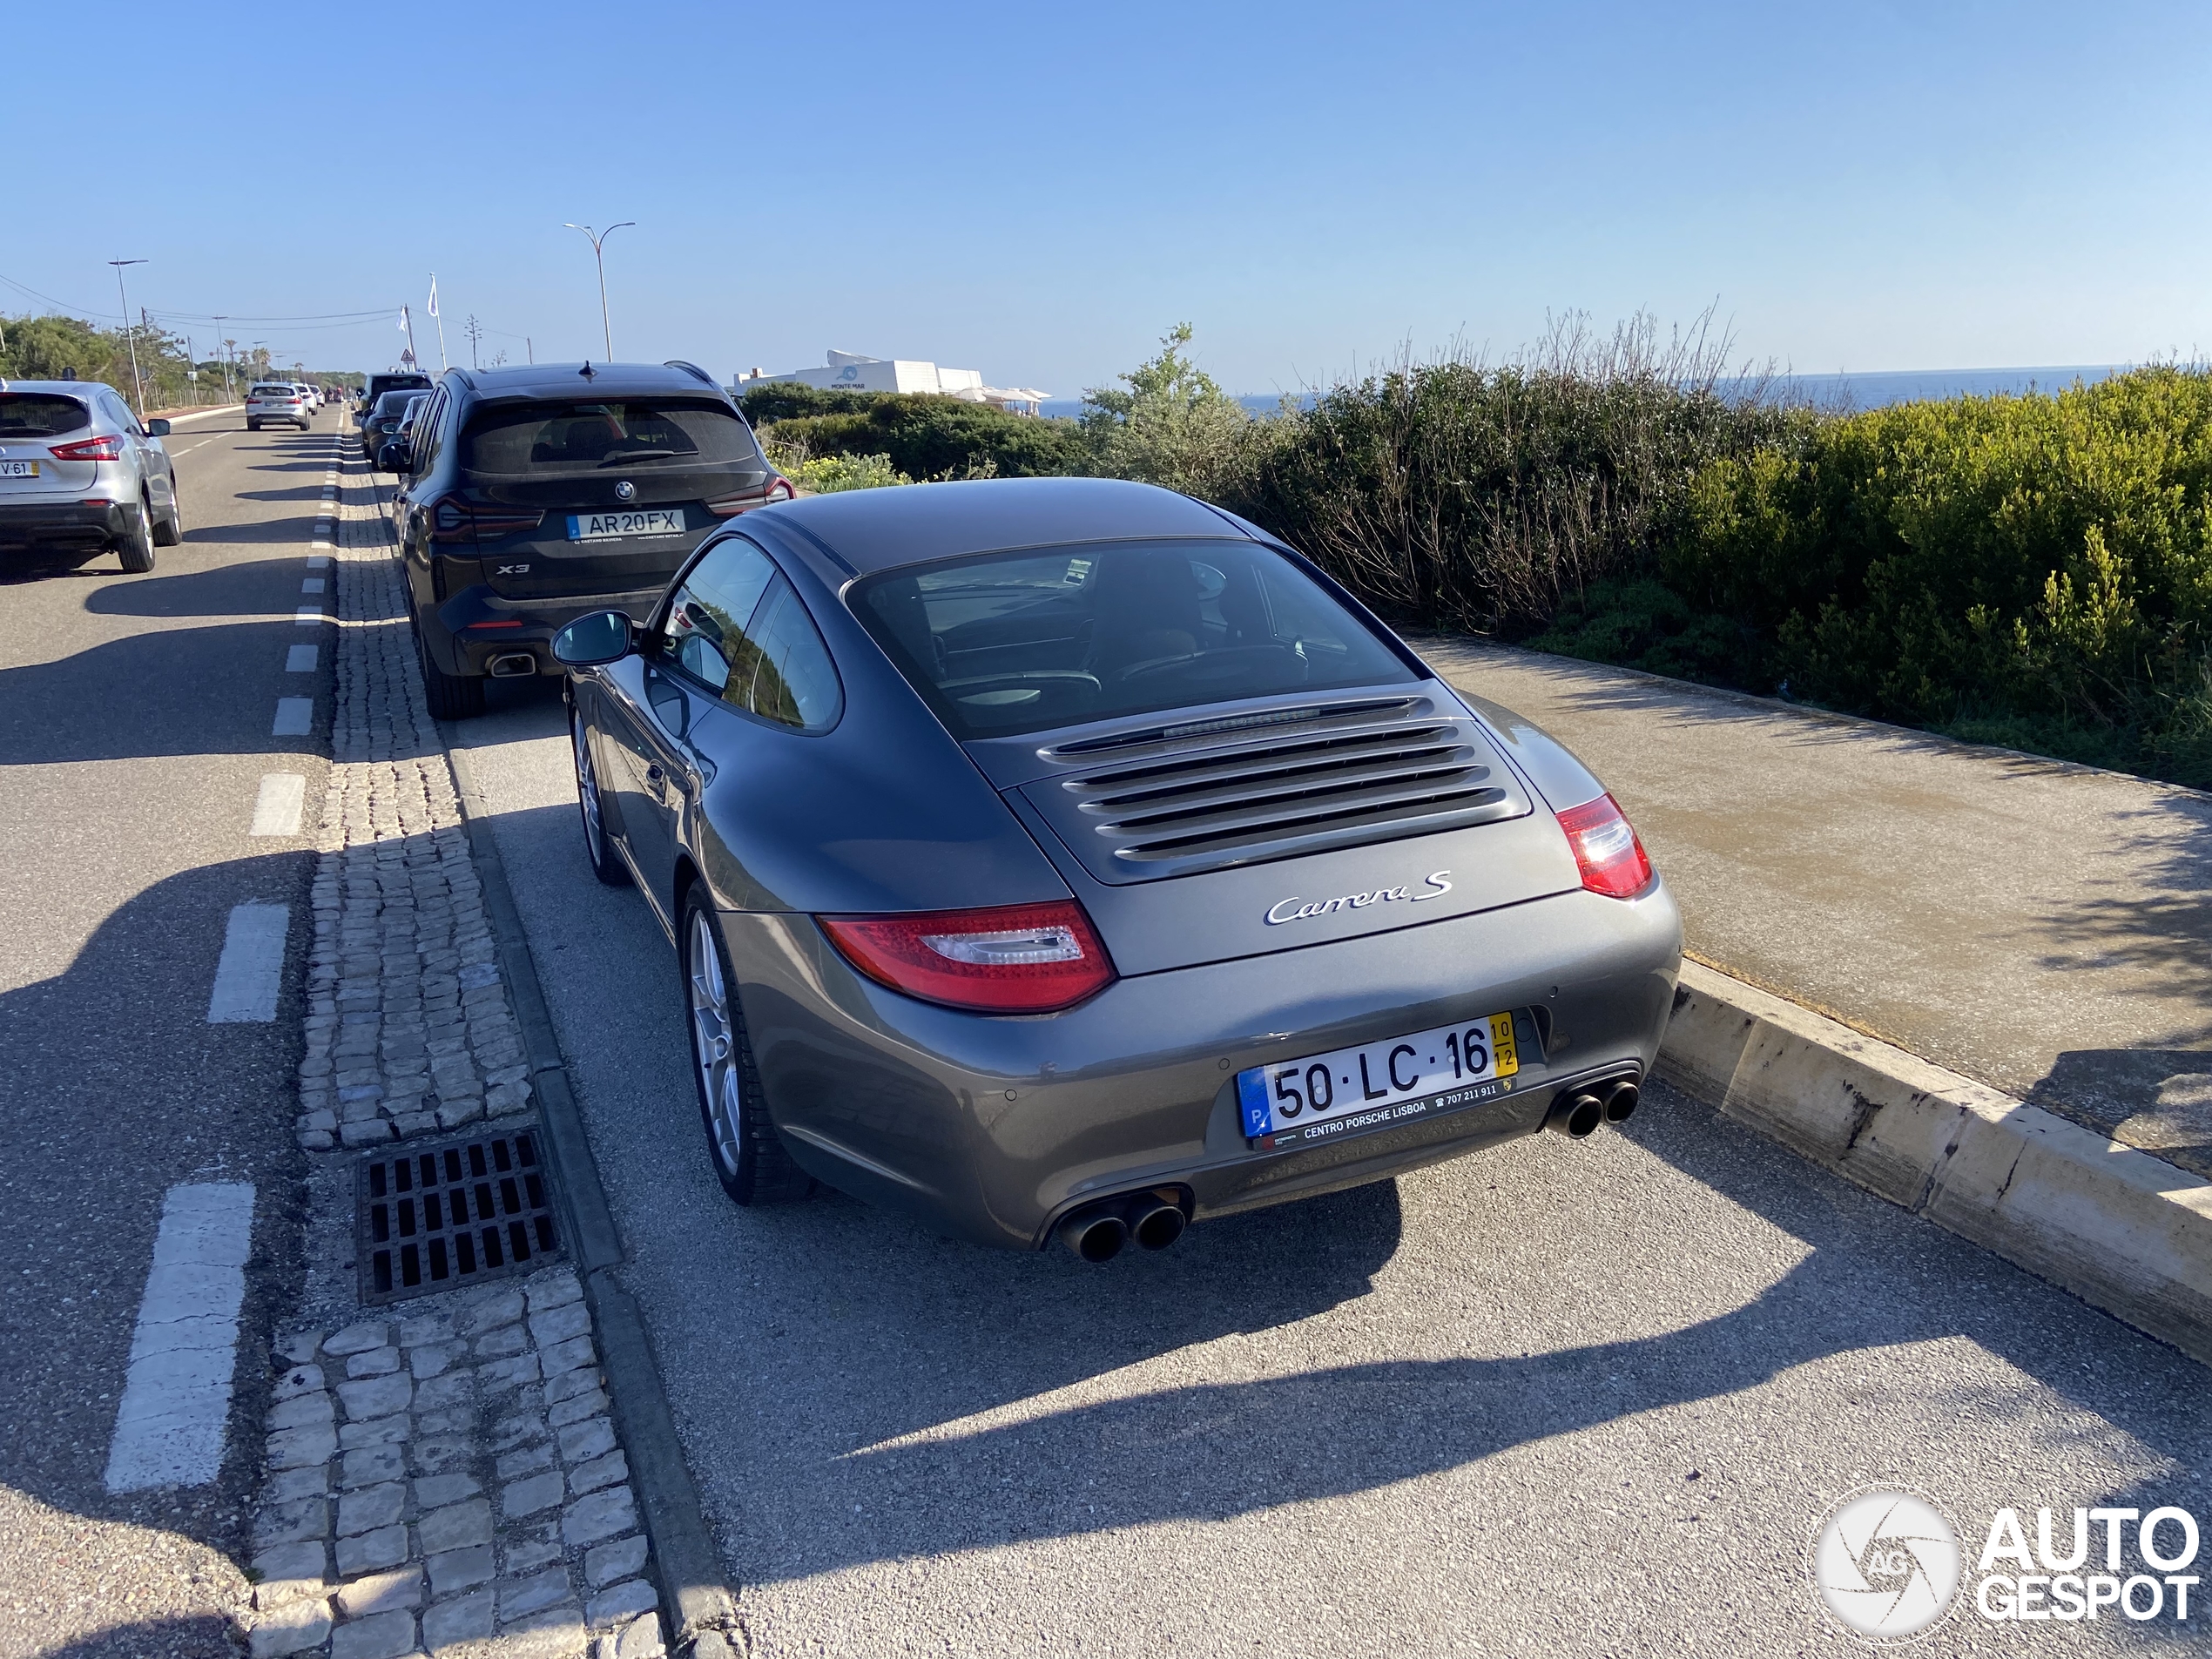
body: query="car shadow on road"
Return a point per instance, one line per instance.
(121, 699)
(248, 587)
(1210, 1451)
(116, 1087)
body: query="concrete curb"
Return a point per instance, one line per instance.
(695, 1596)
(2118, 1228)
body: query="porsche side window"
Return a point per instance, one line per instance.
(793, 681)
(736, 626)
(707, 620)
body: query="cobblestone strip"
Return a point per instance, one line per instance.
(408, 1027)
(445, 1478)
(457, 1467)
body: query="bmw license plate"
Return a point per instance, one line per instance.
(18, 469)
(645, 521)
(1379, 1085)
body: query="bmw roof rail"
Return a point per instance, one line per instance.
(692, 370)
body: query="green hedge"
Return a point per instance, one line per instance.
(929, 436)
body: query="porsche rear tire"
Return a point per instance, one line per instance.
(749, 1157)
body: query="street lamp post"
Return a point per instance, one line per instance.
(137, 385)
(226, 361)
(598, 240)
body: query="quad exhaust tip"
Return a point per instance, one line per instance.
(1154, 1218)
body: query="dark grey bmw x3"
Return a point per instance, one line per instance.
(1063, 858)
(532, 495)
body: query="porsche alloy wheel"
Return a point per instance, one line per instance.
(749, 1158)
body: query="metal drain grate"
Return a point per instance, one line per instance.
(431, 1218)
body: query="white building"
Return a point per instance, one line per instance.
(850, 372)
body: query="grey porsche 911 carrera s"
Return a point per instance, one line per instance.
(1065, 858)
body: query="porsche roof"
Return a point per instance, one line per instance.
(874, 529)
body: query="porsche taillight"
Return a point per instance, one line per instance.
(1010, 958)
(1606, 849)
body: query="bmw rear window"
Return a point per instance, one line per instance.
(1034, 639)
(37, 414)
(536, 440)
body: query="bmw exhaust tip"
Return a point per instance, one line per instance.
(513, 666)
(1620, 1101)
(1094, 1235)
(1155, 1224)
(1578, 1115)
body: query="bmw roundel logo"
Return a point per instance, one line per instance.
(624, 490)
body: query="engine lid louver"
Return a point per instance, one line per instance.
(1205, 795)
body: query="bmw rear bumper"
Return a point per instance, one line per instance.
(994, 1128)
(476, 625)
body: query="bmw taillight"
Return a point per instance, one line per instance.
(1011, 959)
(1611, 857)
(777, 488)
(107, 449)
(453, 519)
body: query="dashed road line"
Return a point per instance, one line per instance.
(306, 618)
(296, 717)
(184, 1352)
(312, 584)
(301, 659)
(277, 807)
(247, 973)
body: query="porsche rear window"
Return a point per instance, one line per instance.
(541, 438)
(1027, 641)
(35, 415)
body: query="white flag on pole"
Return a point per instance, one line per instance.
(402, 318)
(431, 308)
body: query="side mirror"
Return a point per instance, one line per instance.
(394, 456)
(157, 428)
(591, 641)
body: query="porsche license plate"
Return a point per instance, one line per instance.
(1379, 1085)
(18, 469)
(648, 521)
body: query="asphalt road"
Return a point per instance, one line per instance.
(136, 715)
(1558, 1399)
(2043, 927)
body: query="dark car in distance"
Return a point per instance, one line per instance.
(382, 419)
(1066, 858)
(535, 494)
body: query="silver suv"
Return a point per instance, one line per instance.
(269, 400)
(80, 475)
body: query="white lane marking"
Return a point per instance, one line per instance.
(184, 1352)
(301, 659)
(305, 618)
(296, 717)
(319, 542)
(318, 561)
(312, 584)
(277, 808)
(189, 448)
(253, 960)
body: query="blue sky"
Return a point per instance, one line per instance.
(1038, 191)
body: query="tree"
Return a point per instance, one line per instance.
(1173, 426)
